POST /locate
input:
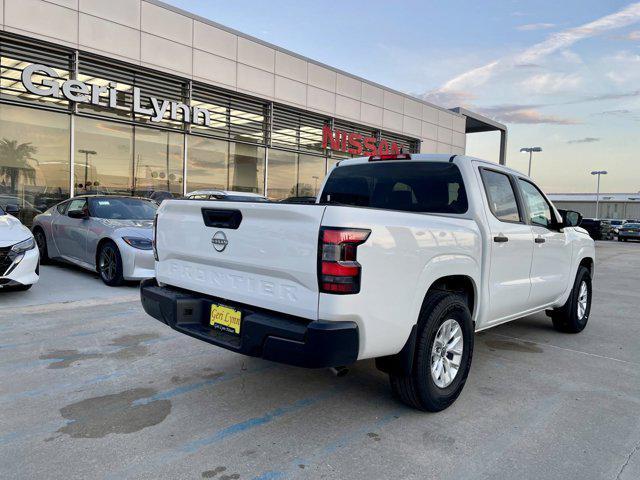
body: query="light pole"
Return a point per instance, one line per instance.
(598, 173)
(530, 150)
(86, 163)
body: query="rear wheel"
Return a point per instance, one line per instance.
(41, 242)
(573, 316)
(442, 359)
(110, 264)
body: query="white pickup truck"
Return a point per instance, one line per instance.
(401, 259)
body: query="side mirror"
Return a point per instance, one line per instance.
(570, 218)
(78, 214)
(12, 208)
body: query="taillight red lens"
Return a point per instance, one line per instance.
(338, 270)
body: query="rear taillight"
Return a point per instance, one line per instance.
(338, 270)
(153, 240)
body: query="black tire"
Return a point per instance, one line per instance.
(109, 264)
(41, 242)
(22, 288)
(570, 318)
(419, 389)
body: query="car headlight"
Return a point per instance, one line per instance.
(139, 243)
(24, 246)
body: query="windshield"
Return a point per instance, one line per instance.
(1, 210)
(632, 225)
(432, 187)
(122, 208)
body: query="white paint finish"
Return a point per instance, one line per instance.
(392, 120)
(256, 55)
(290, 91)
(371, 114)
(372, 94)
(348, 86)
(445, 135)
(429, 130)
(321, 100)
(459, 139)
(280, 275)
(428, 146)
(109, 37)
(321, 77)
(412, 108)
(393, 101)
(347, 108)
(291, 67)
(42, 18)
(255, 81)
(165, 53)
(214, 68)
(430, 114)
(459, 124)
(126, 12)
(411, 126)
(215, 40)
(166, 24)
(445, 119)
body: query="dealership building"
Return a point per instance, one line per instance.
(136, 97)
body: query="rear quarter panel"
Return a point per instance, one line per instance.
(404, 255)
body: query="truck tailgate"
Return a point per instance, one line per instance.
(270, 260)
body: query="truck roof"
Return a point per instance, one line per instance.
(432, 157)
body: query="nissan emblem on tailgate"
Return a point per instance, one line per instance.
(219, 241)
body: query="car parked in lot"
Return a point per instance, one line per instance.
(225, 195)
(629, 231)
(402, 259)
(598, 229)
(107, 234)
(615, 224)
(19, 259)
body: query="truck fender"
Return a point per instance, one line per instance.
(437, 268)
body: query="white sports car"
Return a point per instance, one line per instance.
(19, 257)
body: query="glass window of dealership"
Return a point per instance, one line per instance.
(52, 148)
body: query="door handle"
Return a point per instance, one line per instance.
(500, 239)
(539, 240)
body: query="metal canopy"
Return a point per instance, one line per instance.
(476, 123)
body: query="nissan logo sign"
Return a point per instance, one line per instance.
(219, 241)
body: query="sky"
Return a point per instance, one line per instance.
(562, 75)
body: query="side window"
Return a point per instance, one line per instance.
(502, 198)
(77, 204)
(539, 211)
(62, 207)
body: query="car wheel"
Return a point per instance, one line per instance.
(442, 358)
(110, 265)
(573, 316)
(41, 242)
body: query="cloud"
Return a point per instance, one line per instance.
(633, 36)
(473, 79)
(523, 114)
(535, 26)
(585, 140)
(546, 83)
(619, 112)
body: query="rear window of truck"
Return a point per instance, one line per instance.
(427, 187)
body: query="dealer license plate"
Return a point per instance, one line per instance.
(226, 319)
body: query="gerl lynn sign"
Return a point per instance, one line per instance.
(81, 92)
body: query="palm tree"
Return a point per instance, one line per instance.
(14, 159)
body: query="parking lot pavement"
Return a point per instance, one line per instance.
(103, 391)
(66, 283)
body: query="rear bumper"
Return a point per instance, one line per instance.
(269, 335)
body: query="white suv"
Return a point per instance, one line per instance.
(19, 259)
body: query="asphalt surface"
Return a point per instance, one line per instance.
(90, 387)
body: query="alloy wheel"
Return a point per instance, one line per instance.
(583, 298)
(108, 264)
(446, 353)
